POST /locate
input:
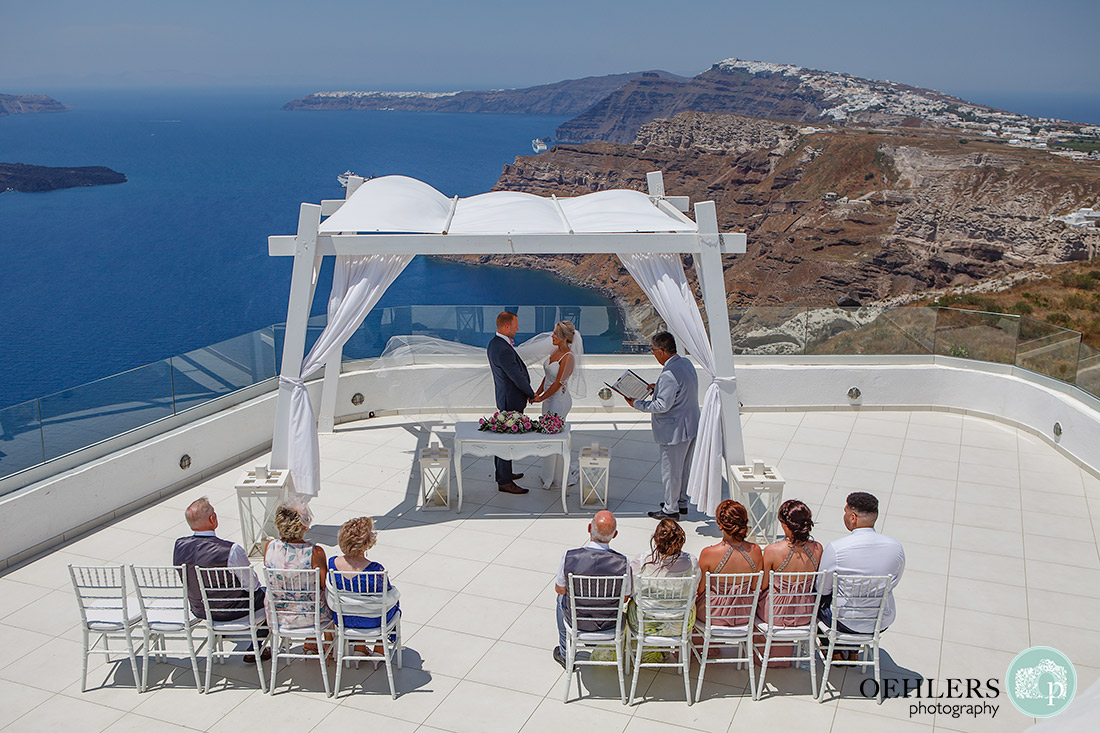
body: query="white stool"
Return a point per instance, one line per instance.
(760, 489)
(435, 478)
(594, 464)
(259, 494)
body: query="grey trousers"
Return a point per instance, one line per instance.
(675, 464)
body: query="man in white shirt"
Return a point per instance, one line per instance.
(863, 552)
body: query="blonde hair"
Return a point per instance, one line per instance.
(289, 523)
(356, 536)
(566, 330)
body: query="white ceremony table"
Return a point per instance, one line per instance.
(510, 446)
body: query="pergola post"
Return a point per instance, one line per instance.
(303, 279)
(708, 267)
(326, 418)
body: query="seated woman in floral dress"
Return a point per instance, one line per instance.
(293, 552)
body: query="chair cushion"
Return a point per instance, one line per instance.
(786, 632)
(718, 632)
(655, 640)
(111, 619)
(595, 637)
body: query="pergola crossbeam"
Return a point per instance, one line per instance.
(505, 244)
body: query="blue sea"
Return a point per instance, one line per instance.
(95, 281)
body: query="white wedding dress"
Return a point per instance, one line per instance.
(560, 402)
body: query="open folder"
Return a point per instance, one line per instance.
(631, 386)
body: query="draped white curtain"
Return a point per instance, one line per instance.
(661, 277)
(357, 284)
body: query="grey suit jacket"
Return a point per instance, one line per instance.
(675, 403)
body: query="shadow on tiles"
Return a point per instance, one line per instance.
(412, 678)
(602, 683)
(116, 673)
(857, 683)
(708, 529)
(175, 673)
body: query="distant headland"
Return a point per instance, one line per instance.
(21, 104)
(38, 178)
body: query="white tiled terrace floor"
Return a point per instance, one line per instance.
(1000, 532)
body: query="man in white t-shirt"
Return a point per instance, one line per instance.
(863, 552)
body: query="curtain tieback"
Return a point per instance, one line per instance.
(292, 382)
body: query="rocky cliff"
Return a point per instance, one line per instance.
(792, 93)
(839, 212)
(14, 104)
(38, 178)
(569, 97)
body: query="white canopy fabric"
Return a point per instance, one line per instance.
(399, 204)
(661, 277)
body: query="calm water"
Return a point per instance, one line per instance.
(1071, 107)
(94, 281)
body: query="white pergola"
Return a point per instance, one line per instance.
(400, 216)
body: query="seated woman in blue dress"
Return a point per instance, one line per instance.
(356, 536)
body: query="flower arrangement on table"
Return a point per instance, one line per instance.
(510, 421)
(507, 421)
(551, 423)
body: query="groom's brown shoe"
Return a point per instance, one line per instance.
(517, 476)
(511, 488)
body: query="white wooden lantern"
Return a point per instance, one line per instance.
(259, 493)
(435, 477)
(760, 489)
(594, 464)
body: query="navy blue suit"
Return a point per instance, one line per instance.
(513, 389)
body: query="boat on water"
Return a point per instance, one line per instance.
(343, 177)
(538, 145)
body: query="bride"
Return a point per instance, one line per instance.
(554, 393)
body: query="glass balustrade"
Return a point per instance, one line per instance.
(1048, 349)
(20, 437)
(967, 334)
(39, 430)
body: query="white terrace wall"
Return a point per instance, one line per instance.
(58, 509)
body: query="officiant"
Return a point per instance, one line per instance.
(674, 416)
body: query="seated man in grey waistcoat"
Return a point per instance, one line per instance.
(595, 558)
(204, 549)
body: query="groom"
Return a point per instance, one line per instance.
(513, 387)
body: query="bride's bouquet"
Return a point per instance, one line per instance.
(507, 421)
(550, 423)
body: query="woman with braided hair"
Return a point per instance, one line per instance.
(797, 552)
(732, 555)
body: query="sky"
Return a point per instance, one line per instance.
(955, 46)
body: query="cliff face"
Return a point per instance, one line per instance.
(839, 212)
(38, 178)
(14, 104)
(569, 97)
(617, 117)
(800, 95)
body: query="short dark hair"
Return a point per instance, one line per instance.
(504, 318)
(664, 341)
(862, 502)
